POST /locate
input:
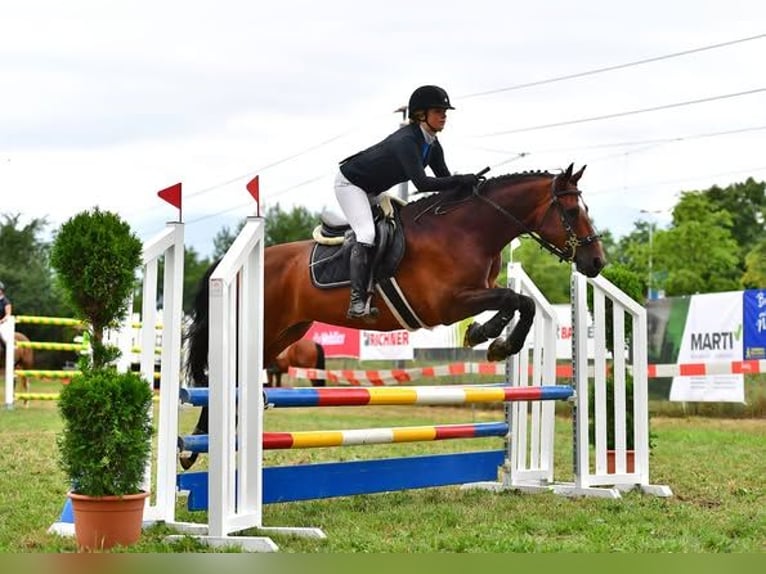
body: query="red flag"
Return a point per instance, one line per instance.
(254, 189)
(172, 195)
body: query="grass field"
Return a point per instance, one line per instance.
(716, 468)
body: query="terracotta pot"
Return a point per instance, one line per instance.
(101, 522)
(629, 461)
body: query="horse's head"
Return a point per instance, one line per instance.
(563, 225)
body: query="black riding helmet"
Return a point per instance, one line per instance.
(426, 97)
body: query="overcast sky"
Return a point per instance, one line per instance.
(105, 103)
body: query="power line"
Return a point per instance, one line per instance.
(252, 173)
(676, 181)
(612, 68)
(623, 114)
(627, 143)
(266, 196)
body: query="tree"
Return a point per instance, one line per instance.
(95, 256)
(281, 227)
(549, 274)
(698, 253)
(746, 203)
(25, 269)
(755, 267)
(224, 238)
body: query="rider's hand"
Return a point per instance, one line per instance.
(468, 180)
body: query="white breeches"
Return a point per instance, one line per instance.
(5, 331)
(356, 207)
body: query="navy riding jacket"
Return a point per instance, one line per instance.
(402, 156)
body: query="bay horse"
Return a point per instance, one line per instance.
(303, 353)
(23, 358)
(452, 258)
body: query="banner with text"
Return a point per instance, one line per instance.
(755, 324)
(712, 333)
(337, 341)
(389, 346)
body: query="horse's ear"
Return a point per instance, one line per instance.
(562, 180)
(576, 177)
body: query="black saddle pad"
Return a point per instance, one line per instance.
(329, 264)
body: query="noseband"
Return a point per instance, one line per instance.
(573, 240)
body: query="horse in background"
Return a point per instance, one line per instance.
(303, 353)
(23, 358)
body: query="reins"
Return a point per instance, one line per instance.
(573, 241)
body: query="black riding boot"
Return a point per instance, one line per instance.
(360, 278)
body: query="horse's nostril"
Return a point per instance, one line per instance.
(598, 263)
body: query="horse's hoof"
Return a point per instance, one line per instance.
(473, 335)
(497, 350)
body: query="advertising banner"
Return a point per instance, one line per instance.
(391, 345)
(755, 324)
(341, 342)
(712, 333)
(440, 337)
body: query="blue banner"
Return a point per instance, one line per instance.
(754, 310)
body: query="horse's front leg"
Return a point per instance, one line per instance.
(506, 302)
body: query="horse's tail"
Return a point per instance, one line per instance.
(197, 333)
(319, 365)
(196, 363)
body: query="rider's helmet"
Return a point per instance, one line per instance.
(426, 97)
(2, 286)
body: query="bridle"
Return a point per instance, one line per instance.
(573, 241)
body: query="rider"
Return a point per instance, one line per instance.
(5, 312)
(402, 156)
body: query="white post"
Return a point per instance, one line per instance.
(235, 454)
(170, 245)
(9, 332)
(597, 481)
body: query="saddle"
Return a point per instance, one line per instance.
(329, 261)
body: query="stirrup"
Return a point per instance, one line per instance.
(368, 314)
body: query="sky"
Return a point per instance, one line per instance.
(105, 103)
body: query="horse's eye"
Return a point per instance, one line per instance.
(573, 212)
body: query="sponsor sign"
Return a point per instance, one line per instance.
(337, 341)
(386, 345)
(712, 333)
(754, 304)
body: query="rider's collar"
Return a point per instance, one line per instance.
(429, 137)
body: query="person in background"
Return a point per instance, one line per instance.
(402, 156)
(5, 311)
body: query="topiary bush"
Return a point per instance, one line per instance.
(106, 440)
(95, 256)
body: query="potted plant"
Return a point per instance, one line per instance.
(105, 444)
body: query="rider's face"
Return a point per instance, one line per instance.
(436, 119)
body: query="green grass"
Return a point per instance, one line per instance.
(714, 466)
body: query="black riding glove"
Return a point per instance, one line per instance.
(468, 180)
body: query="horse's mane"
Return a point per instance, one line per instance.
(461, 192)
